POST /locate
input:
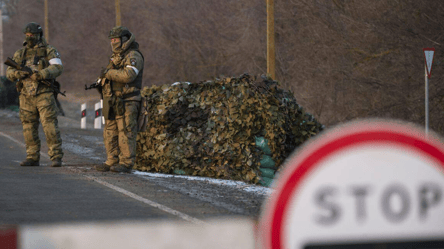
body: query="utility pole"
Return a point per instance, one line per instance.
(46, 34)
(270, 40)
(118, 20)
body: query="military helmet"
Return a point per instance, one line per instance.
(119, 32)
(33, 28)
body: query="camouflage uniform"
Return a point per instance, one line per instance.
(122, 101)
(37, 100)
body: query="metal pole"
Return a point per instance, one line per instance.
(46, 22)
(118, 20)
(426, 102)
(270, 40)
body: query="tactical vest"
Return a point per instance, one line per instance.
(37, 60)
(137, 83)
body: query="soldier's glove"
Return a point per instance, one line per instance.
(36, 76)
(20, 74)
(103, 72)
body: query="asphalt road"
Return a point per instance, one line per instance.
(76, 192)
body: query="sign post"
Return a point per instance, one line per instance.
(428, 57)
(365, 184)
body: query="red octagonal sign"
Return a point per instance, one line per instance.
(366, 184)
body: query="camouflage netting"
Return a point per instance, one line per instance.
(214, 128)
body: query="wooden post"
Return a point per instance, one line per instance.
(46, 34)
(118, 20)
(270, 40)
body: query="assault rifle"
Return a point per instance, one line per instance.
(96, 84)
(10, 62)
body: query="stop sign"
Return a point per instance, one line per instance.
(365, 183)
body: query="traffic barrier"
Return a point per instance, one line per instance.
(216, 234)
(8, 237)
(98, 117)
(83, 117)
(101, 106)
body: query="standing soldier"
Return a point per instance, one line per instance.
(121, 82)
(37, 100)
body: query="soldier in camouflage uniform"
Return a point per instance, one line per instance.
(37, 100)
(122, 81)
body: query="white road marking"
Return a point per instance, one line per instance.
(125, 192)
(146, 201)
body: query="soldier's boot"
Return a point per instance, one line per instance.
(103, 167)
(120, 168)
(29, 162)
(56, 163)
